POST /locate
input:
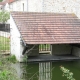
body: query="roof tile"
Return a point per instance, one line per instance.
(47, 28)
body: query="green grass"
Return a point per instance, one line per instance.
(1, 0)
(7, 72)
(4, 43)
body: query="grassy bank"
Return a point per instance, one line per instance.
(4, 44)
(6, 71)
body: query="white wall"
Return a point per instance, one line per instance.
(6, 7)
(57, 6)
(18, 5)
(15, 40)
(76, 9)
(19, 67)
(35, 5)
(61, 49)
(50, 5)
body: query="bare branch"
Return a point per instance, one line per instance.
(30, 49)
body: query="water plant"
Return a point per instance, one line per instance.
(67, 73)
(25, 58)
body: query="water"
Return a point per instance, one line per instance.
(48, 70)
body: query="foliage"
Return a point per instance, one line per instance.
(25, 58)
(67, 73)
(6, 71)
(1, 0)
(5, 75)
(12, 59)
(4, 16)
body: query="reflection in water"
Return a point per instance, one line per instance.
(45, 71)
(18, 68)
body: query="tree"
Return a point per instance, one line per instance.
(1, 0)
(4, 16)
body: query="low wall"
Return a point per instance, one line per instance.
(61, 49)
(4, 34)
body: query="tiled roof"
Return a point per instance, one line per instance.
(10, 1)
(47, 28)
(2, 3)
(7, 1)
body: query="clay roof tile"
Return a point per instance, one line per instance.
(48, 28)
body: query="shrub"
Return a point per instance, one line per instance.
(4, 16)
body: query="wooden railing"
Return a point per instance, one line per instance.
(44, 48)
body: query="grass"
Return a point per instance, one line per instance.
(6, 71)
(1, 0)
(4, 44)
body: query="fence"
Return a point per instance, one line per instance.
(4, 38)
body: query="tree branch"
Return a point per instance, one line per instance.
(29, 50)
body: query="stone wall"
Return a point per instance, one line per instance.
(56, 6)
